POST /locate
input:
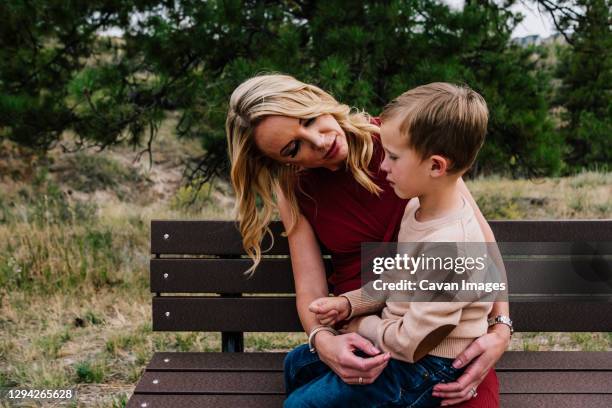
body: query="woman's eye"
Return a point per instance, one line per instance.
(308, 122)
(294, 151)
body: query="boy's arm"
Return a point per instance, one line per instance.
(423, 326)
(368, 300)
(361, 303)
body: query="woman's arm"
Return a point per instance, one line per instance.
(485, 351)
(306, 262)
(311, 284)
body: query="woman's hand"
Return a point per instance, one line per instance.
(481, 355)
(337, 353)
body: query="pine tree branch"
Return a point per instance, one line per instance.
(561, 15)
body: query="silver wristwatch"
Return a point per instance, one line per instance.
(501, 319)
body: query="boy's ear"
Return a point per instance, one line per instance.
(439, 165)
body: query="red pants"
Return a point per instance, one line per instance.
(488, 394)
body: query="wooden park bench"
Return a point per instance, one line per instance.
(198, 284)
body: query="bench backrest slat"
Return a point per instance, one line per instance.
(587, 276)
(559, 273)
(222, 237)
(278, 314)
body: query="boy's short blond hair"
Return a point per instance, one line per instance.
(442, 118)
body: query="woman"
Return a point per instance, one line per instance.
(294, 142)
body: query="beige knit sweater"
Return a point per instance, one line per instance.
(410, 330)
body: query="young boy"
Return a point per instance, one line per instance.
(431, 136)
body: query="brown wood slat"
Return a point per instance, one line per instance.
(542, 379)
(205, 401)
(211, 382)
(576, 276)
(567, 316)
(222, 237)
(556, 400)
(552, 231)
(207, 238)
(271, 401)
(279, 314)
(555, 361)
(265, 314)
(555, 382)
(262, 383)
(565, 248)
(510, 361)
(579, 276)
(222, 276)
(217, 362)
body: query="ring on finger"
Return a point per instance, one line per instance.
(360, 380)
(473, 392)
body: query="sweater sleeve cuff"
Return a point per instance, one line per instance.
(362, 304)
(368, 328)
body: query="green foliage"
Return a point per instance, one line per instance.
(57, 74)
(51, 344)
(43, 46)
(586, 92)
(192, 198)
(89, 372)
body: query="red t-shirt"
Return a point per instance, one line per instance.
(344, 214)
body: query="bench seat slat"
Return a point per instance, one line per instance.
(271, 401)
(555, 382)
(276, 401)
(186, 361)
(556, 400)
(264, 314)
(258, 382)
(555, 361)
(205, 401)
(222, 237)
(211, 382)
(268, 361)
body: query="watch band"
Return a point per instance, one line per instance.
(501, 319)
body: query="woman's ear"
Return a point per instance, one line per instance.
(439, 166)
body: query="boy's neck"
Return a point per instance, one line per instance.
(441, 199)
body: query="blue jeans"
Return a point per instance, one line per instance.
(311, 383)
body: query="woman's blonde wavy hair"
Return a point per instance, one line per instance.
(254, 175)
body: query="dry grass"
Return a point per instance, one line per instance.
(74, 297)
(586, 195)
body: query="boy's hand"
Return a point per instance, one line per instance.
(330, 310)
